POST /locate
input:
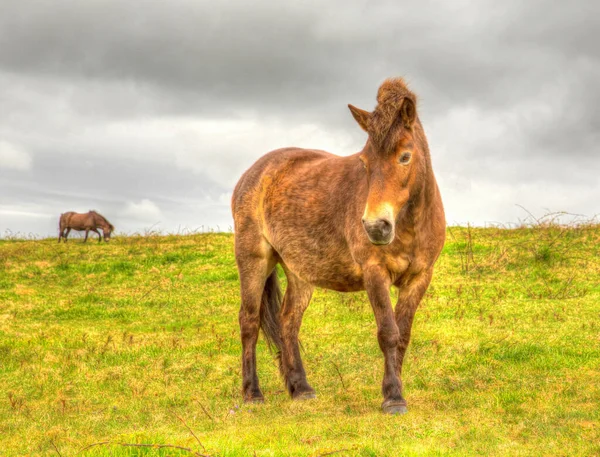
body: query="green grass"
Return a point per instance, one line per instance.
(137, 342)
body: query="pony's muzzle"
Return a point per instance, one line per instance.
(379, 231)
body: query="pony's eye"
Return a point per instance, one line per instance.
(405, 158)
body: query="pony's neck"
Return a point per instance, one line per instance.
(101, 222)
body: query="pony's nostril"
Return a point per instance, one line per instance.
(378, 230)
(385, 226)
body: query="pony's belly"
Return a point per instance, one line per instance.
(342, 286)
(341, 274)
(333, 277)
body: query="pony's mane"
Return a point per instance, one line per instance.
(385, 125)
(93, 211)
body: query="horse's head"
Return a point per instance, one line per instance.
(107, 232)
(393, 158)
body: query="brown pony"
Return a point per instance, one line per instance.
(88, 221)
(367, 221)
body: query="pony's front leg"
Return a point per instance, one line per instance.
(99, 236)
(410, 294)
(377, 284)
(87, 231)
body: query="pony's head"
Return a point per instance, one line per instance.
(393, 158)
(107, 232)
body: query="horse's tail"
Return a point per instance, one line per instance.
(269, 312)
(61, 227)
(62, 221)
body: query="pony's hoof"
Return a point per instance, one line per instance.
(254, 397)
(308, 395)
(394, 407)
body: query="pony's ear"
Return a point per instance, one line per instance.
(361, 116)
(408, 112)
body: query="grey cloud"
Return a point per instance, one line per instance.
(298, 57)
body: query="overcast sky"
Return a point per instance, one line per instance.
(149, 111)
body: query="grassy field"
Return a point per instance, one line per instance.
(136, 342)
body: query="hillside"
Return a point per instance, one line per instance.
(136, 342)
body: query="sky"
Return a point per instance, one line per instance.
(150, 111)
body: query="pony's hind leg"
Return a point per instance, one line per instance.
(255, 264)
(65, 236)
(295, 301)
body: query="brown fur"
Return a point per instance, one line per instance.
(302, 209)
(89, 221)
(395, 104)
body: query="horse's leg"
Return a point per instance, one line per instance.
(255, 262)
(87, 231)
(409, 297)
(60, 234)
(99, 236)
(377, 284)
(296, 299)
(66, 234)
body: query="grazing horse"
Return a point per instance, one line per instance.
(88, 221)
(367, 221)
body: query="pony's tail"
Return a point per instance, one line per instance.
(269, 312)
(60, 226)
